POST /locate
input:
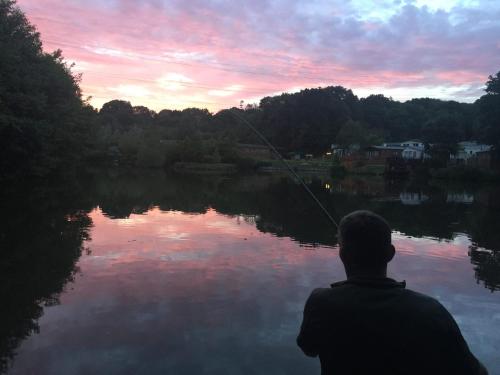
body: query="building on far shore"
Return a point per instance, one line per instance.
(411, 150)
(473, 154)
(380, 154)
(401, 155)
(344, 151)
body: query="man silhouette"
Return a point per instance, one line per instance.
(371, 324)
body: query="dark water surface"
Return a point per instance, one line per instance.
(145, 273)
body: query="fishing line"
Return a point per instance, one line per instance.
(290, 169)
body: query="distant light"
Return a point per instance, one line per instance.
(327, 186)
(328, 153)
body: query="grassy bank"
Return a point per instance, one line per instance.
(205, 168)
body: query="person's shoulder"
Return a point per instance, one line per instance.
(319, 293)
(424, 301)
(325, 295)
(419, 296)
(328, 291)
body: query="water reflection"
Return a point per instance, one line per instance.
(41, 237)
(486, 266)
(183, 264)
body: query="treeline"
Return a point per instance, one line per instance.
(45, 125)
(308, 122)
(138, 136)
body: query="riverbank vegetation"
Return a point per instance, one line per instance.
(46, 125)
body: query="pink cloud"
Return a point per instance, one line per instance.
(262, 47)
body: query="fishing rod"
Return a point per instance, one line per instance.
(287, 165)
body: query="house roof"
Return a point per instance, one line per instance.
(398, 148)
(472, 144)
(401, 144)
(389, 147)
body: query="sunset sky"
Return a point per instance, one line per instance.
(213, 53)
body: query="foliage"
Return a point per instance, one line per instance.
(354, 132)
(40, 102)
(493, 85)
(308, 120)
(151, 157)
(445, 129)
(338, 170)
(489, 111)
(128, 144)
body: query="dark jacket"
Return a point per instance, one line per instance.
(376, 326)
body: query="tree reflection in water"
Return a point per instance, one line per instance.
(281, 207)
(486, 266)
(44, 227)
(42, 231)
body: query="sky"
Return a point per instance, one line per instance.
(212, 54)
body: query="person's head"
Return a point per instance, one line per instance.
(365, 243)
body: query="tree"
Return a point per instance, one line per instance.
(377, 110)
(117, 113)
(354, 132)
(40, 101)
(444, 129)
(308, 120)
(489, 111)
(493, 85)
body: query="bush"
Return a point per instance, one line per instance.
(150, 157)
(128, 145)
(245, 164)
(359, 164)
(338, 170)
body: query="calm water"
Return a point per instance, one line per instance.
(128, 273)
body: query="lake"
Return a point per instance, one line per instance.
(115, 272)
